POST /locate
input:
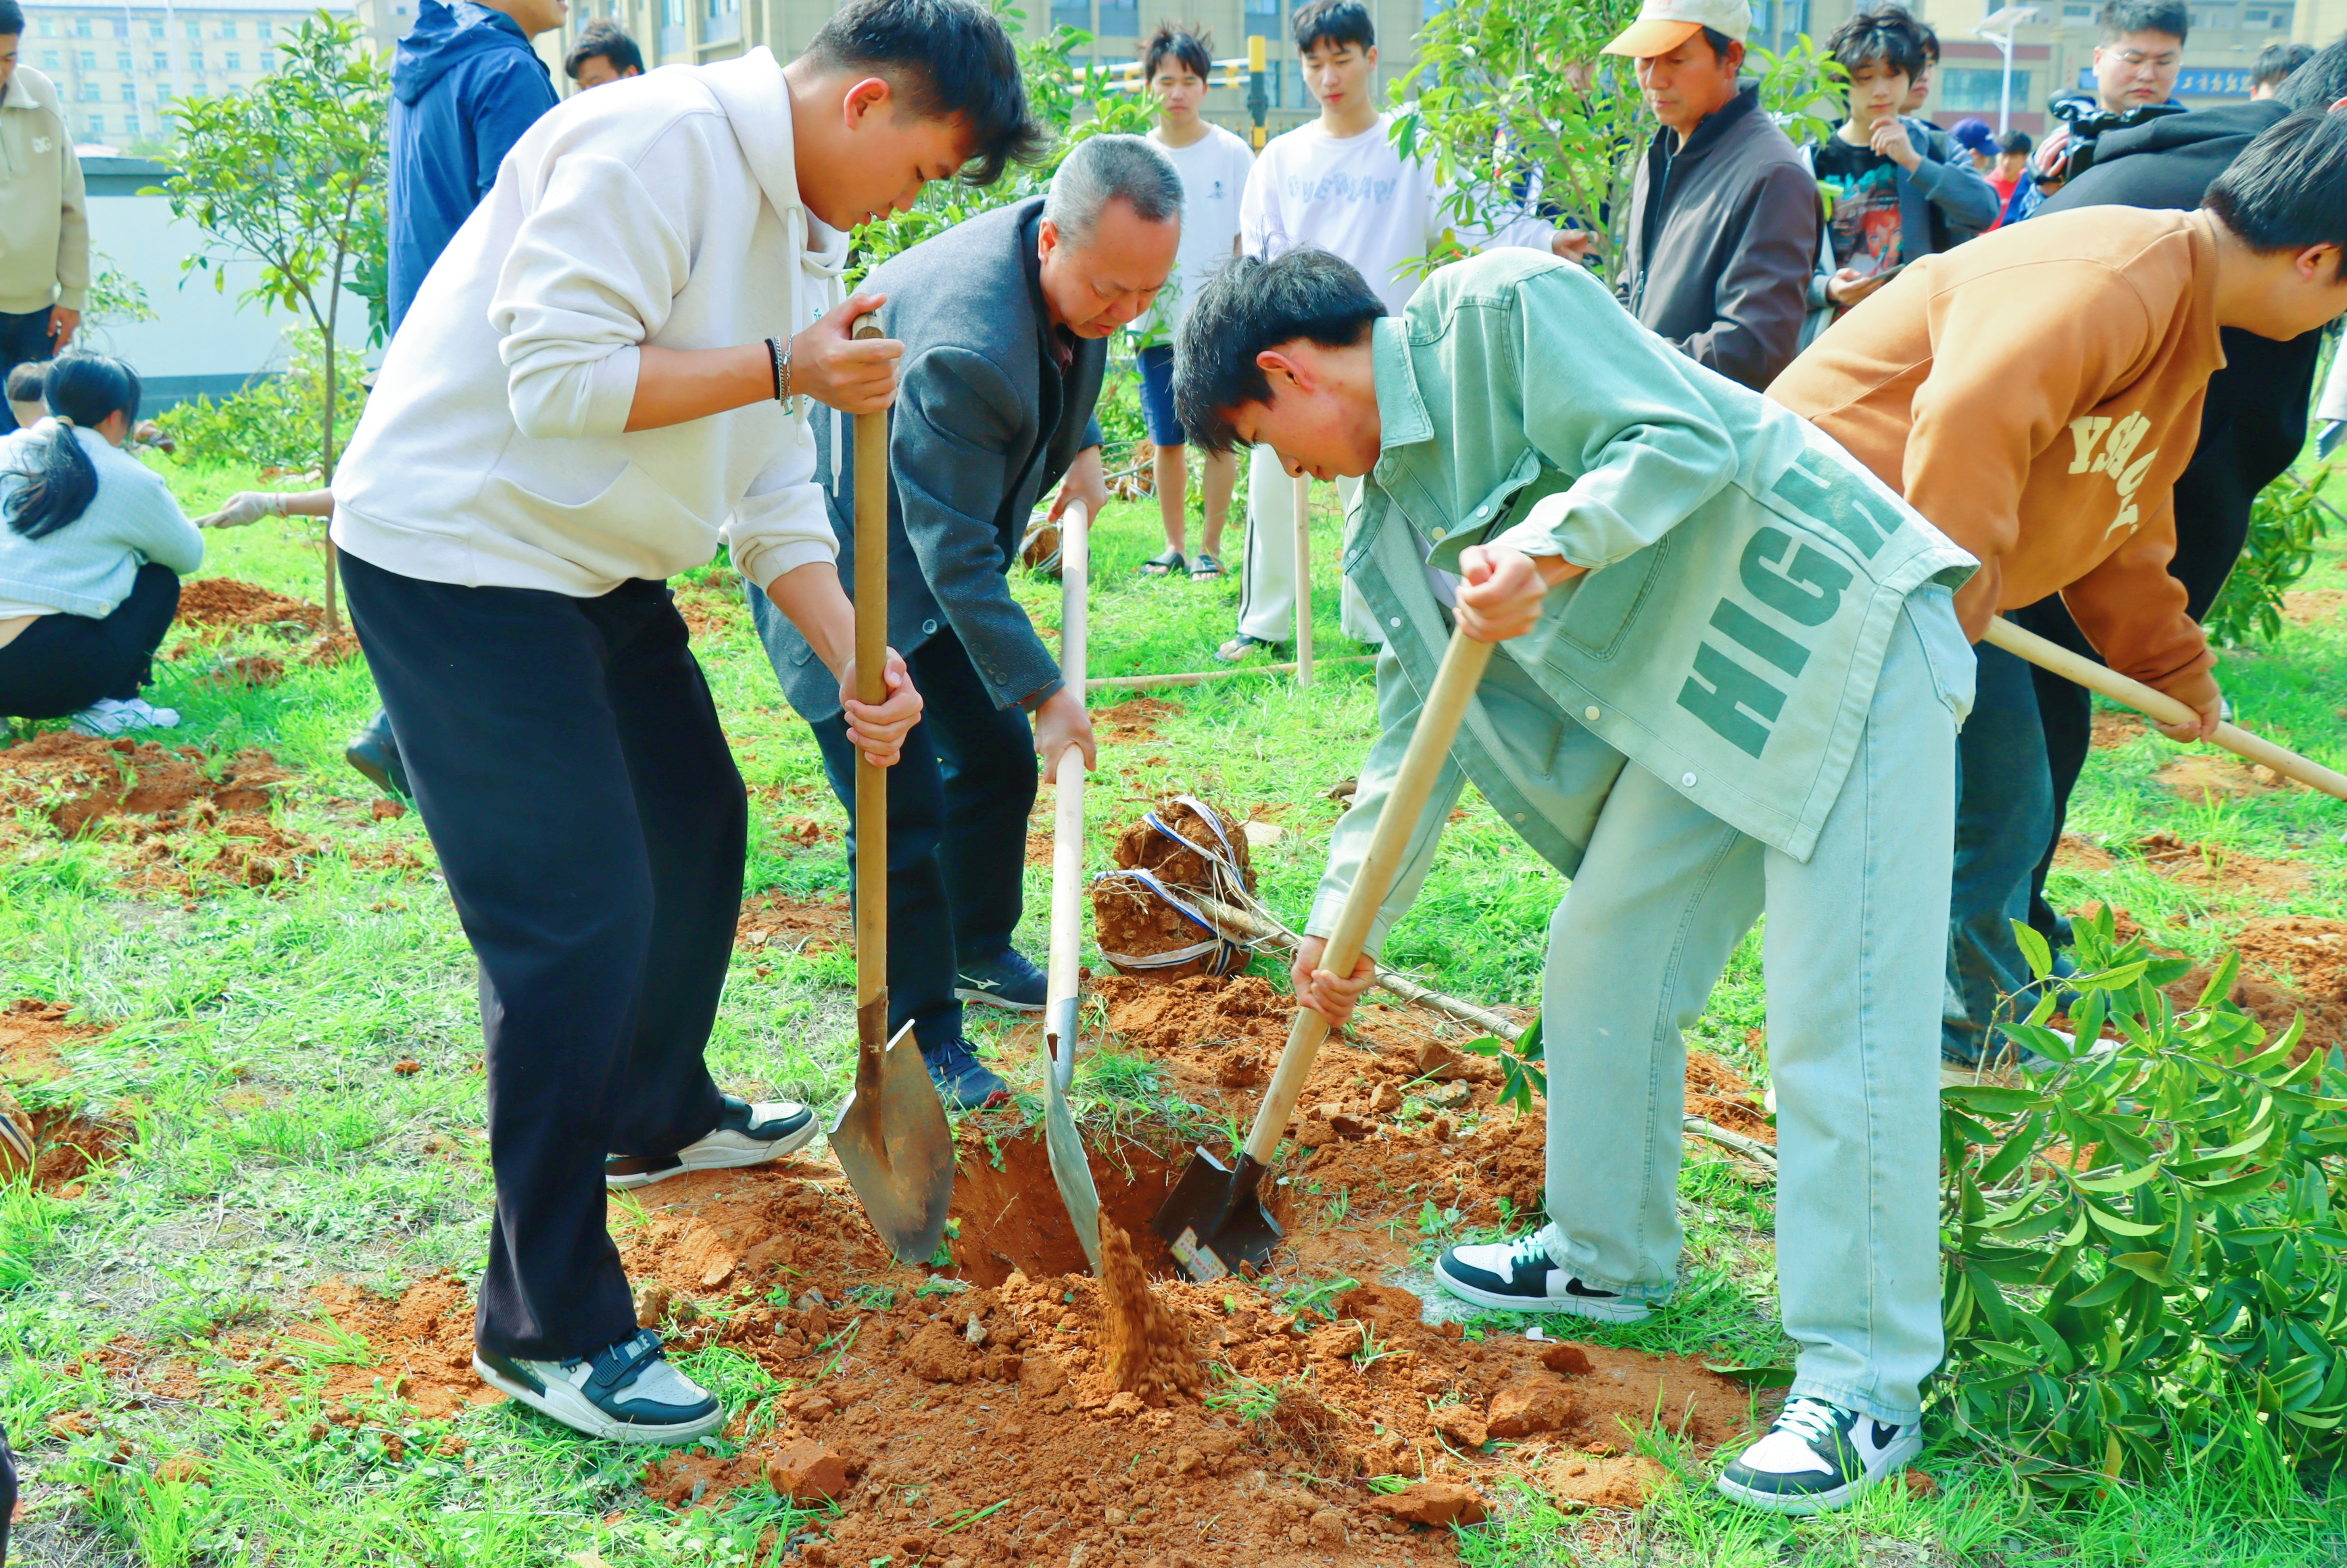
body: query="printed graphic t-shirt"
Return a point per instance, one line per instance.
(1214, 170)
(1865, 222)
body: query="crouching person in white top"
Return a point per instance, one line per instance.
(598, 385)
(92, 548)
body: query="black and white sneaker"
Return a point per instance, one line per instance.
(626, 1393)
(1816, 1457)
(746, 1134)
(1007, 981)
(964, 1082)
(1520, 1276)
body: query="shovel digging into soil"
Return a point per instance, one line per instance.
(891, 1138)
(1214, 1219)
(1072, 1171)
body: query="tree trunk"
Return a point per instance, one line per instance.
(326, 479)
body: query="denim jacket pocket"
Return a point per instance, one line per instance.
(1606, 602)
(1955, 668)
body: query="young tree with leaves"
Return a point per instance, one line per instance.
(289, 177)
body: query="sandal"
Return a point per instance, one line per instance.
(1167, 565)
(1204, 566)
(1239, 647)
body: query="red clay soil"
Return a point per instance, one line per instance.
(33, 1036)
(2217, 775)
(774, 921)
(2116, 728)
(218, 601)
(1133, 721)
(1131, 921)
(2292, 964)
(2220, 870)
(78, 780)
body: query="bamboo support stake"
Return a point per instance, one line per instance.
(1200, 677)
(1303, 579)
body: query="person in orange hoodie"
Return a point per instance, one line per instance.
(2035, 393)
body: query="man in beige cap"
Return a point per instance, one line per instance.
(1723, 215)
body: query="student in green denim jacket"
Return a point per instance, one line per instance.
(1732, 684)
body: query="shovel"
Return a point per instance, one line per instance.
(1213, 1219)
(891, 1137)
(1071, 1169)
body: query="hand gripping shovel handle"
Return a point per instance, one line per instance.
(2159, 705)
(1430, 746)
(1067, 820)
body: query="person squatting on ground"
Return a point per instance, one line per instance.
(43, 213)
(2036, 394)
(1899, 190)
(465, 85)
(1005, 320)
(604, 54)
(1732, 679)
(2252, 424)
(577, 409)
(1723, 220)
(1341, 184)
(91, 554)
(1214, 165)
(26, 386)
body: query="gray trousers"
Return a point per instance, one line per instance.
(1855, 954)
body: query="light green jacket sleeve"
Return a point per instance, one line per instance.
(1607, 401)
(1398, 709)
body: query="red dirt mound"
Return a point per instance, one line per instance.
(76, 780)
(31, 1035)
(1134, 720)
(2290, 965)
(1173, 861)
(225, 601)
(2223, 870)
(775, 920)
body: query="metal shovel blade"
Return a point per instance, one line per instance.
(1213, 1220)
(1072, 1168)
(892, 1141)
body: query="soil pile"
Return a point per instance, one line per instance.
(33, 1035)
(2290, 965)
(218, 602)
(2217, 869)
(1143, 912)
(773, 921)
(1134, 720)
(78, 780)
(1193, 844)
(2217, 775)
(67, 1143)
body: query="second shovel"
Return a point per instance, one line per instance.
(1071, 1169)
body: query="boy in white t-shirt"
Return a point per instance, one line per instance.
(1214, 166)
(1336, 185)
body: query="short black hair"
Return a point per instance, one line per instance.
(1188, 43)
(2288, 190)
(12, 19)
(1720, 43)
(1333, 21)
(1930, 39)
(1247, 306)
(2120, 18)
(2318, 83)
(605, 37)
(2277, 61)
(2016, 143)
(1886, 37)
(26, 381)
(945, 59)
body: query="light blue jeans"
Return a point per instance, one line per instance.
(1854, 958)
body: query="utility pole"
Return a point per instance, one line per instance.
(1258, 95)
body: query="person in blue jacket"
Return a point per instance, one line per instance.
(465, 85)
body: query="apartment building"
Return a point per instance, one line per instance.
(117, 66)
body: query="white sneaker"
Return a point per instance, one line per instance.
(1816, 1457)
(625, 1392)
(1520, 1276)
(108, 716)
(746, 1134)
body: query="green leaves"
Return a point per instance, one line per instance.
(2143, 1241)
(1518, 1079)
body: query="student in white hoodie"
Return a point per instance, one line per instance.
(605, 377)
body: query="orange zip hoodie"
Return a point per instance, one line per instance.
(2034, 392)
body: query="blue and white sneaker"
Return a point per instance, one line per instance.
(1816, 1457)
(746, 1134)
(624, 1393)
(1008, 980)
(1521, 1277)
(964, 1082)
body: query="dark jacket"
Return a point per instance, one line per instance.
(2253, 421)
(1723, 232)
(465, 85)
(983, 427)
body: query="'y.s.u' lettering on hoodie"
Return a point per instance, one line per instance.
(2104, 446)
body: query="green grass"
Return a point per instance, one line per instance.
(275, 1146)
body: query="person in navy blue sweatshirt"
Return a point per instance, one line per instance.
(465, 85)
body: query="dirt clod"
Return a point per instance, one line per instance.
(808, 1473)
(1149, 1348)
(1436, 1503)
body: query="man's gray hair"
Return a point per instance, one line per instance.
(1106, 168)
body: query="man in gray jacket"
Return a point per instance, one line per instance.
(1005, 320)
(1723, 215)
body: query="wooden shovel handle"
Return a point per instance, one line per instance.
(1303, 579)
(2159, 705)
(871, 686)
(1068, 780)
(1430, 746)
